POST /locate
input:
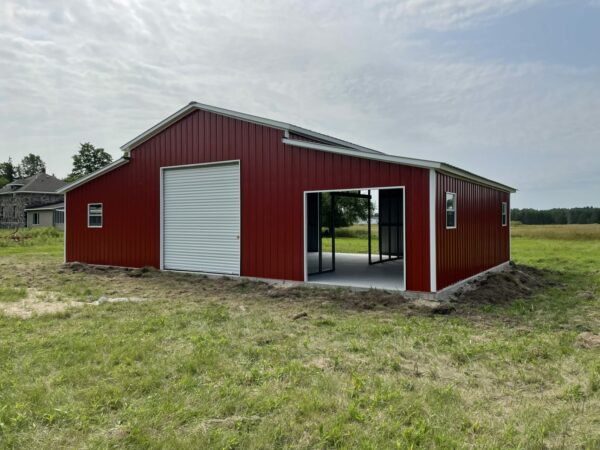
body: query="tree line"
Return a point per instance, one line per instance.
(531, 216)
(87, 160)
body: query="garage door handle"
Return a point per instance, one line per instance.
(238, 237)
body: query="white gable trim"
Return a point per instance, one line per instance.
(113, 165)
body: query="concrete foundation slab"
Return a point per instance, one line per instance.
(352, 269)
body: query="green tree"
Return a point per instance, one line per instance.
(348, 210)
(88, 160)
(31, 165)
(8, 171)
(3, 181)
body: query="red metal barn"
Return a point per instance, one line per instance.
(216, 191)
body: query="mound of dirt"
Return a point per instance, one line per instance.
(146, 271)
(518, 281)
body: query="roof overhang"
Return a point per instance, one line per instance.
(47, 207)
(30, 192)
(113, 165)
(439, 166)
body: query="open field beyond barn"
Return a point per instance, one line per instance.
(99, 357)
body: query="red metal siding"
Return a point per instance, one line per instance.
(479, 241)
(274, 177)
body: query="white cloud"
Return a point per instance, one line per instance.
(105, 71)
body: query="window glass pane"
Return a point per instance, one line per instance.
(95, 215)
(450, 201)
(95, 221)
(450, 219)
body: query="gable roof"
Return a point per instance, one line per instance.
(293, 135)
(287, 127)
(38, 183)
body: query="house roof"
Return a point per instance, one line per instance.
(38, 183)
(48, 207)
(292, 136)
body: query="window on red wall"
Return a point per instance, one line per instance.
(95, 215)
(504, 214)
(450, 210)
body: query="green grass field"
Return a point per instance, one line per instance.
(217, 363)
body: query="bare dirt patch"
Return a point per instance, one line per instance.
(501, 288)
(517, 282)
(38, 303)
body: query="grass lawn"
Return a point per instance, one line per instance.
(217, 363)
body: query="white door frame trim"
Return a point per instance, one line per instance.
(357, 189)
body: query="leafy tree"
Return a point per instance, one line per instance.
(348, 210)
(31, 165)
(88, 160)
(3, 181)
(8, 171)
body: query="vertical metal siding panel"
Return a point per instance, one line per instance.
(479, 242)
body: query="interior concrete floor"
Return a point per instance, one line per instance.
(352, 269)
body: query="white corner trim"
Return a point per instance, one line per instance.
(113, 165)
(65, 232)
(432, 230)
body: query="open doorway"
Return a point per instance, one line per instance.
(356, 238)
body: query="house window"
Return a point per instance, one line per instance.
(504, 214)
(36, 218)
(59, 217)
(15, 212)
(95, 215)
(450, 210)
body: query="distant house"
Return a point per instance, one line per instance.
(46, 216)
(25, 193)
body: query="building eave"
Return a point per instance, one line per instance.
(426, 164)
(113, 165)
(31, 192)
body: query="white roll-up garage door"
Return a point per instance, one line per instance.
(201, 218)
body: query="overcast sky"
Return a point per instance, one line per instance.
(509, 89)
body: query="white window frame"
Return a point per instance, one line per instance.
(504, 214)
(36, 215)
(446, 210)
(101, 215)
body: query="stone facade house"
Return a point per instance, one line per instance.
(19, 195)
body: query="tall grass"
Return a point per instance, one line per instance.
(574, 232)
(11, 241)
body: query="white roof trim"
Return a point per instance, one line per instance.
(351, 152)
(442, 167)
(286, 127)
(46, 208)
(113, 165)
